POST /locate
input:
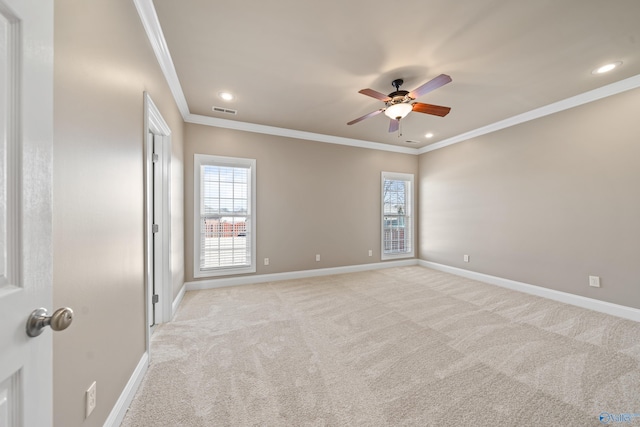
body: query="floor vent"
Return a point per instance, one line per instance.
(225, 110)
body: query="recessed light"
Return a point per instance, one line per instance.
(606, 68)
(429, 135)
(226, 96)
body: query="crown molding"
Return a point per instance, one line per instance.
(298, 134)
(565, 104)
(151, 24)
(149, 19)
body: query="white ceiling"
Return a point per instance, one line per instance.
(300, 64)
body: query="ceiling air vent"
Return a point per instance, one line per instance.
(225, 110)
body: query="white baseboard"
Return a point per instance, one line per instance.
(177, 301)
(617, 310)
(262, 278)
(122, 405)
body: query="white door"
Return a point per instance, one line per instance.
(26, 135)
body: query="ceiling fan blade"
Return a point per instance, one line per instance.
(393, 125)
(366, 116)
(432, 84)
(436, 110)
(375, 94)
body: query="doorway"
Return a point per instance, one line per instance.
(157, 217)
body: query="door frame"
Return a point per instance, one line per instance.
(155, 124)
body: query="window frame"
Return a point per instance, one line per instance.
(408, 215)
(213, 160)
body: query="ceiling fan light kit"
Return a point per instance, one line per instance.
(400, 103)
(398, 111)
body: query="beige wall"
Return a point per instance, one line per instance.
(312, 197)
(548, 202)
(103, 64)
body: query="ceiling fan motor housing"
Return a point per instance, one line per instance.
(398, 97)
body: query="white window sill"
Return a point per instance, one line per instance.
(223, 272)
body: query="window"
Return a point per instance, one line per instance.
(224, 215)
(397, 215)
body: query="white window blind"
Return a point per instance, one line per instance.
(397, 215)
(225, 220)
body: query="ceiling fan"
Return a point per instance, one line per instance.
(401, 102)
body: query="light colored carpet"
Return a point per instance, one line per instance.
(399, 346)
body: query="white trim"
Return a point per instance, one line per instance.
(410, 214)
(617, 310)
(289, 275)
(148, 237)
(565, 104)
(207, 159)
(154, 120)
(177, 301)
(290, 133)
(155, 123)
(121, 407)
(154, 32)
(152, 27)
(165, 227)
(151, 24)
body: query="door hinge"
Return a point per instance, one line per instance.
(154, 299)
(155, 158)
(155, 228)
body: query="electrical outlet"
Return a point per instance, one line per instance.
(594, 281)
(92, 399)
(266, 261)
(466, 258)
(317, 257)
(370, 252)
